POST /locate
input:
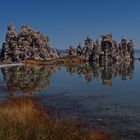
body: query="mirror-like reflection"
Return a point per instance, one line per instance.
(30, 80)
(72, 94)
(27, 79)
(104, 71)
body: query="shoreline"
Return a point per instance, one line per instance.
(63, 60)
(11, 65)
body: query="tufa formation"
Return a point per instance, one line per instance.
(106, 50)
(26, 45)
(33, 45)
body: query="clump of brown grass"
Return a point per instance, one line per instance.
(21, 109)
(61, 60)
(23, 119)
(69, 59)
(40, 62)
(99, 135)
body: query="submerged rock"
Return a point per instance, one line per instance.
(28, 44)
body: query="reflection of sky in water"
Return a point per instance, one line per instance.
(72, 96)
(63, 81)
(1, 78)
(121, 90)
(137, 53)
(117, 105)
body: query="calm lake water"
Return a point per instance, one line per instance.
(106, 97)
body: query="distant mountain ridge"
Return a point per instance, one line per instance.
(60, 51)
(137, 50)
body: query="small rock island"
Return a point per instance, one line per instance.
(106, 50)
(28, 44)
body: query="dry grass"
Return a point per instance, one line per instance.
(62, 60)
(24, 119)
(21, 109)
(69, 59)
(37, 62)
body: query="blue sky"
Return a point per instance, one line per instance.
(68, 22)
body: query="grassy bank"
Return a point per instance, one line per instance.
(69, 59)
(61, 60)
(24, 119)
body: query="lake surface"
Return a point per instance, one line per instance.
(104, 96)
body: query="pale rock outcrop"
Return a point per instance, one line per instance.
(28, 44)
(106, 50)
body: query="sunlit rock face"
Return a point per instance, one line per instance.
(105, 50)
(25, 45)
(27, 80)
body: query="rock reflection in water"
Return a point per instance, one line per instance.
(27, 80)
(30, 80)
(104, 71)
